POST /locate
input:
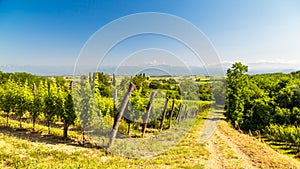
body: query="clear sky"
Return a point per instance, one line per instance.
(52, 32)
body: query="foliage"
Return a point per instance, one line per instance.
(39, 94)
(8, 96)
(68, 114)
(266, 101)
(85, 104)
(189, 90)
(236, 83)
(49, 100)
(155, 84)
(23, 100)
(50, 104)
(205, 92)
(102, 84)
(219, 92)
(288, 134)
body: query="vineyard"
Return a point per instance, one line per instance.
(227, 148)
(290, 135)
(95, 105)
(142, 117)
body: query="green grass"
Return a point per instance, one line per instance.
(153, 144)
(17, 151)
(261, 154)
(14, 125)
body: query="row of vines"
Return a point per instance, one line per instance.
(287, 134)
(95, 100)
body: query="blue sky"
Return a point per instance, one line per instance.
(50, 32)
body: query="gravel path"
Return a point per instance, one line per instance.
(210, 125)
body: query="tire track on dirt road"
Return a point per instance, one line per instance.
(220, 146)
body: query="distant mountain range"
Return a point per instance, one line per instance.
(217, 69)
(265, 67)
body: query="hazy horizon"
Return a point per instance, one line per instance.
(51, 34)
(254, 68)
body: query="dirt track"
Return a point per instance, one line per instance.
(230, 149)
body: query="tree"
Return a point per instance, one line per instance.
(86, 104)
(102, 84)
(172, 81)
(142, 84)
(295, 116)
(61, 83)
(69, 115)
(219, 92)
(189, 90)
(205, 92)
(1, 95)
(37, 107)
(155, 84)
(23, 100)
(59, 108)
(8, 97)
(50, 104)
(114, 82)
(236, 81)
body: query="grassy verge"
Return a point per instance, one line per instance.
(261, 154)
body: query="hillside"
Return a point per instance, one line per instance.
(223, 148)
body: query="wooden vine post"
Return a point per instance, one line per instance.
(115, 96)
(119, 115)
(115, 102)
(164, 114)
(171, 114)
(182, 114)
(186, 115)
(34, 96)
(146, 117)
(179, 113)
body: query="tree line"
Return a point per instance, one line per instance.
(263, 102)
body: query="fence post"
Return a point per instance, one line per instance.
(146, 117)
(164, 114)
(119, 115)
